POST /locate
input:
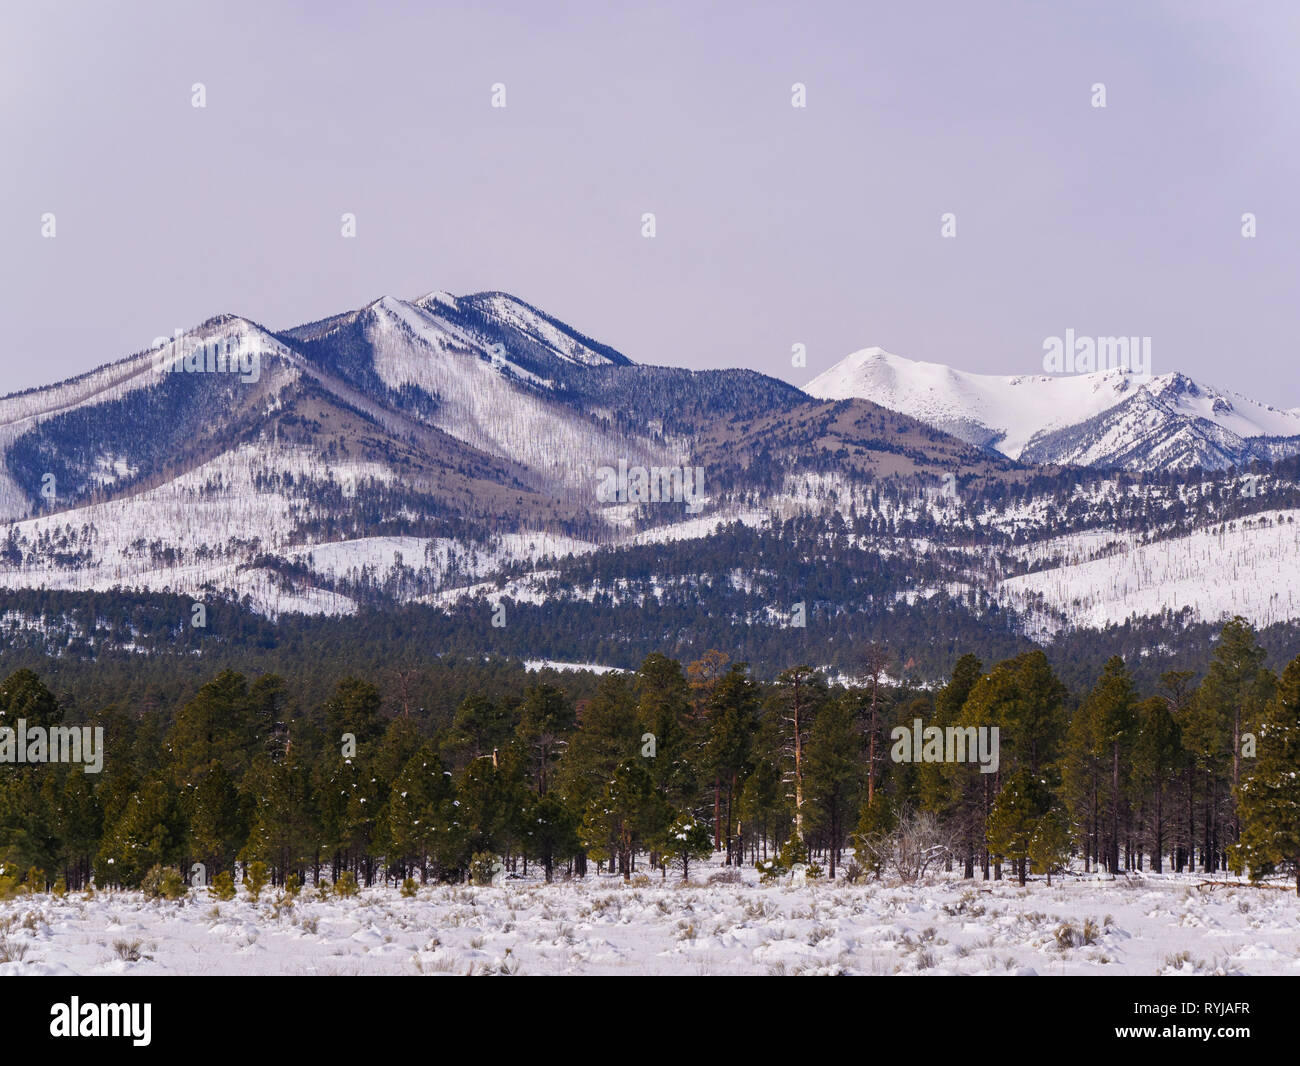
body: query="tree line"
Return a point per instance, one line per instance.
(668, 765)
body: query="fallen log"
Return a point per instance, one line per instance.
(1243, 884)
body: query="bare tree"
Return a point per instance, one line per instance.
(916, 844)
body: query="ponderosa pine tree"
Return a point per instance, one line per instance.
(544, 727)
(1017, 811)
(492, 796)
(875, 661)
(1050, 845)
(420, 812)
(764, 810)
(481, 725)
(1158, 759)
(629, 815)
(212, 812)
(731, 725)
(686, 838)
(1268, 799)
(832, 782)
(607, 734)
(354, 708)
(664, 711)
(1096, 771)
(149, 832)
(1178, 691)
(1228, 703)
(800, 695)
(702, 677)
(549, 833)
(954, 791)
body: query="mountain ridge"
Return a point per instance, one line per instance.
(1173, 421)
(447, 451)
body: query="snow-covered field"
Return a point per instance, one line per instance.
(1143, 924)
(1250, 569)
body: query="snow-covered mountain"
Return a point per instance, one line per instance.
(427, 441)
(1107, 419)
(447, 451)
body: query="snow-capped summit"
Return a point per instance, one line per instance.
(511, 313)
(1107, 418)
(431, 299)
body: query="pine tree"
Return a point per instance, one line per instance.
(211, 807)
(833, 775)
(764, 809)
(607, 734)
(354, 708)
(1268, 799)
(732, 724)
(221, 725)
(686, 839)
(629, 814)
(1049, 844)
(954, 791)
(149, 832)
(664, 711)
(1096, 771)
(1228, 704)
(1016, 813)
(420, 811)
(480, 726)
(544, 727)
(1158, 757)
(801, 692)
(875, 659)
(491, 798)
(550, 833)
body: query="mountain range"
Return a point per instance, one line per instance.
(448, 452)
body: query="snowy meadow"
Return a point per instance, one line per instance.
(1142, 924)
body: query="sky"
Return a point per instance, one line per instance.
(775, 225)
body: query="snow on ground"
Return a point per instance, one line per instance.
(1008, 412)
(1141, 925)
(533, 665)
(479, 405)
(697, 528)
(1251, 569)
(984, 408)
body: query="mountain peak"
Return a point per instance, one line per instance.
(1009, 413)
(430, 300)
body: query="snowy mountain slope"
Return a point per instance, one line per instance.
(497, 406)
(197, 531)
(386, 450)
(986, 410)
(89, 431)
(491, 313)
(1250, 569)
(1110, 418)
(446, 449)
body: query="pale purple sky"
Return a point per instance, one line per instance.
(775, 225)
